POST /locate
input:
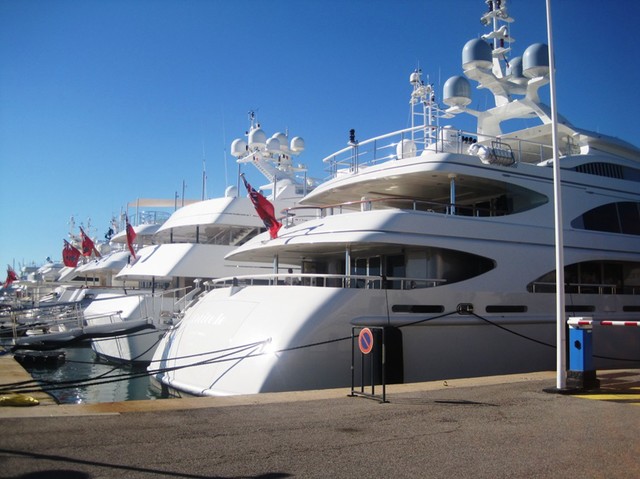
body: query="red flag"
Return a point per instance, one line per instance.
(87, 245)
(11, 277)
(131, 237)
(264, 208)
(70, 255)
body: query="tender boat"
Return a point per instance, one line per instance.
(439, 239)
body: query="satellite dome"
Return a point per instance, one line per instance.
(282, 138)
(273, 145)
(406, 149)
(515, 67)
(231, 192)
(297, 144)
(535, 61)
(457, 91)
(476, 54)
(257, 138)
(238, 147)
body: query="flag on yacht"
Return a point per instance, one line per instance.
(131, 237)
(264, 208)
(11, 277)
(87, 245)
(70, 255)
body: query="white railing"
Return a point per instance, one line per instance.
(584, 288)
(327, 280)
(445, 139)
(300, 214)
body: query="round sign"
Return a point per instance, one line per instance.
(365, 341)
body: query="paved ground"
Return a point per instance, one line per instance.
(495, 427)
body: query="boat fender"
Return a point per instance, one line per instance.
(19, 400)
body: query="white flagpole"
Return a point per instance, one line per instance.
(561, 340)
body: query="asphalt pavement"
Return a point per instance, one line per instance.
(496, 427)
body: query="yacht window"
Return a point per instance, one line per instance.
(416, 268)
(593, 277)
(505, 308)
(366, 267)
(601, 169)
(417, 308)
(622, 217)
(609, 170)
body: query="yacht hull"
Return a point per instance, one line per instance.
(110, 309)
(255, 339)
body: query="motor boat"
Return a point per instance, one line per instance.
(438, 240)
(189, 248)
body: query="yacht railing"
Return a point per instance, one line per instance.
(327, 280)
(70, 319)
(150, 217)
(584, 288)
(385, 147)
(299, 214)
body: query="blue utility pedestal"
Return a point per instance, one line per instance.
(581, 374)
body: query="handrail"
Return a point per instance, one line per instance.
(368, 203)
(327, 159)
(435, 139)
(325, 280)
(582, 288)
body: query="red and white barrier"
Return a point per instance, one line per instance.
(587, 323)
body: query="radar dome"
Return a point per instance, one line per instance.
(297, 144)
(238, 147)
(457, 91)
(476, 54)
(406, 149)
(257, 138)
(282, 138)
(231, 192)
(535, 61)
(273, 145)
(514, 69)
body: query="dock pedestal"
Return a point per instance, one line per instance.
(581, 374)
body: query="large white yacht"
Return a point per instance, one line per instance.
(189, 248)
(442, 238)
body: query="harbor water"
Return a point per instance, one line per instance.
(82, 377)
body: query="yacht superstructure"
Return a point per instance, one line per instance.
(189, 248)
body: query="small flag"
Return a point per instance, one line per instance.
(11, 277)
(264, 208)
(87, 245)
(131, 237)
(70, 255)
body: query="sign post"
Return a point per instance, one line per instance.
(366, 344)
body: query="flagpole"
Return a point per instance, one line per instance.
(561, 340)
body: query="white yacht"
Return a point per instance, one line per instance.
(440, 238)
(190, 246)
(88, 300)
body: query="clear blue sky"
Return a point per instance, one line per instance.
(103, 102)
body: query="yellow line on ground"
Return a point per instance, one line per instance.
(629, 396)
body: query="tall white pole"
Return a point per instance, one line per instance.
(561, 340)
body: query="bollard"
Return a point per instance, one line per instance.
(581, 374)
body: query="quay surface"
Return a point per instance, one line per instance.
(491, 427)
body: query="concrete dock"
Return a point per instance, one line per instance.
(492, 427)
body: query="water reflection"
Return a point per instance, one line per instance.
(82, 364)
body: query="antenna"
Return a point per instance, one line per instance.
(204, 173)
(224, 149)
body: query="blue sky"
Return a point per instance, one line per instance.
(103, 102)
